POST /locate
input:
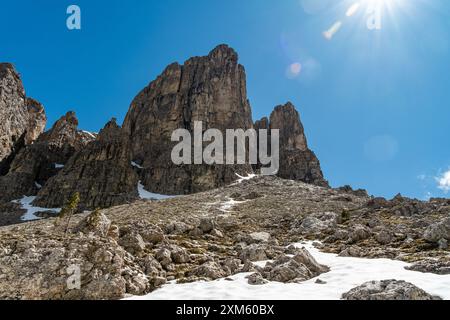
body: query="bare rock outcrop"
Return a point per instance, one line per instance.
(388, 290)
(211, 89)
(297, 161)
(439, 231)
(22, 119)
(301, 267)
(101, 172)
(38, 162)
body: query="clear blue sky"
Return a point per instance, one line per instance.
(375, 103)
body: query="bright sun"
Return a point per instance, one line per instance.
(372, 11)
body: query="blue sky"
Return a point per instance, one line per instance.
(375, 103)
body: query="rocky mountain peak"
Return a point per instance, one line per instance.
(101, 172)
(8, 70)
(37, 120)
(6, 66)
(36, 163)
(211, 89)
(287, 119)
(223, 53)
(63, 130)
(111, 131)
(297, 161)
(264, 123)
(22, 119)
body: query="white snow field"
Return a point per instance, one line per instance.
(346, 273)
(145, 195)
(25, 203)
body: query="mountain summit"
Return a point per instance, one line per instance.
(210, 89)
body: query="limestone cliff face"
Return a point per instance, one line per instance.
(211, 89)
(22, 119)
(64, 160)
(101, 172)
(297, 161)
(36, 163)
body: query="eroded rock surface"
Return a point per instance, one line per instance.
(297, 161)
(22, 119)
(301, 267)
(388, 290)
(211, 89)
(101, 173)
(35, 164)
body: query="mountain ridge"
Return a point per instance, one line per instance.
(211, 89)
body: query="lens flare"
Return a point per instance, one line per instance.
(353, 9)
(329, 34)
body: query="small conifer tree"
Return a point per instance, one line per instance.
(68, 211)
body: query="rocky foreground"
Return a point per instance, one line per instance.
(134, 249)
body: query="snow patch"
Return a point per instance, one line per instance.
(39, 186)
(144, 194)
(346, 274)
(134, 164)
(89, 134)
(242, 178)
(228, 205)
(30, 215)
(59, 166)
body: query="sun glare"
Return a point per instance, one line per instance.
(373, 11)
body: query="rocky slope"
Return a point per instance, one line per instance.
(22, 119)
(133, 249)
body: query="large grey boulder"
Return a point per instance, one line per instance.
(388, 290)
(438, 231)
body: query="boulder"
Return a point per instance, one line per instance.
(133, 243)
(256, 279)
(441, 267)
(297, 269)
(253, 252)
(384, 237)
(96, 223)
(438, 231)
(359, 233)
(179, 255)
(209, 270)
(258, 237)
(164, 256)
(207, 225)
(388, 290)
